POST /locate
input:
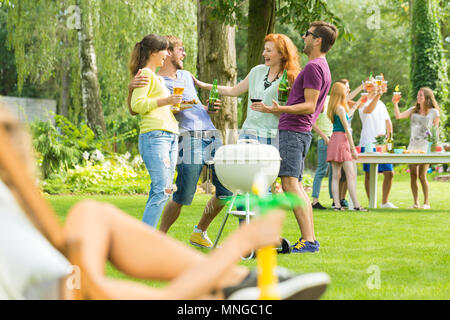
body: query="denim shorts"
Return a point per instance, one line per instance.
(194, 153)
(381, 167)
(294, 147)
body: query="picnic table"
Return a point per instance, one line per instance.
(375, 158)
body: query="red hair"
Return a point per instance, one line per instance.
(289, 54)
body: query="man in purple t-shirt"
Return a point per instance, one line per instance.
(304, 105)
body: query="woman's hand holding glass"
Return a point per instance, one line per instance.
(173, 99)
(396, 98)
(360, 102)
(261, 107)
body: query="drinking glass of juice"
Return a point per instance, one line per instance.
(397, 96)
(364, 97)
(369, 86)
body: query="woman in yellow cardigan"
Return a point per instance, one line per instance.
(158, 144)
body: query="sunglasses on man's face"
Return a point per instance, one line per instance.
(307, 33)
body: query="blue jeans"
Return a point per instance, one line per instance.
(159, 151)
(193, 154)
(321, 171)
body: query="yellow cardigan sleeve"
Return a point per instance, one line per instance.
(142, 100)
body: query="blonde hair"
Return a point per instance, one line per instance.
(289, 54)
(338, 97)
(20, 138)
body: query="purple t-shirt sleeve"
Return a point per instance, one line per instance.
(315, 75)
(312, 77)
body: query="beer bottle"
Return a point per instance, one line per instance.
(283, 89)
(390, 143)
(213, 96)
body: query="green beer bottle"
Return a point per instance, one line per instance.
(283, 89)
(213, 96)
(390, 143)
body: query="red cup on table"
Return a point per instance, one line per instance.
(379, 149)
(438, 148)
(358, 149)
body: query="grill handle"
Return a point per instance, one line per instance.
(249, 141)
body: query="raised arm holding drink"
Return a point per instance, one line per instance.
(397, 94)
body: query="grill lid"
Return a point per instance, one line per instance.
(244, 151)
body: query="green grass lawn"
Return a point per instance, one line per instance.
(408, 248)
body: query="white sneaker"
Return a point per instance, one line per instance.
(426, 206)
(388, 205)
(308, 286)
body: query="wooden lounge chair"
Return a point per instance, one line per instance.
(43, 217)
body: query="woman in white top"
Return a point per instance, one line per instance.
(424, 115)
(262, 82)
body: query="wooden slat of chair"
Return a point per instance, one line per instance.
(42, 215)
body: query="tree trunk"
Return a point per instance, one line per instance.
(65, 88)
(90, 89)
(261, 22)
(217, 60)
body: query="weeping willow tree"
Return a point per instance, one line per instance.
(45, 50)
(44, 36)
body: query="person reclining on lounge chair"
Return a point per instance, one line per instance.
(31, 267)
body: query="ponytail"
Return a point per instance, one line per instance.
(135, 58)
(142, 51)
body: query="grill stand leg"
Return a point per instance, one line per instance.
(224, 221)
(230, 212)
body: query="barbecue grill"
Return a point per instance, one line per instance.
(237, 166)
